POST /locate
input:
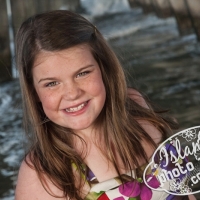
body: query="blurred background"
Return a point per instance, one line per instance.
(157, 42)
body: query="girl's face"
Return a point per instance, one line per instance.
(69, 86)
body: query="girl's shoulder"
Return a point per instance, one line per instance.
(149, 128)
(30, 187)
(137, 97)
(146, 125)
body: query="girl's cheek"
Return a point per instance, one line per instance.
(45, 100)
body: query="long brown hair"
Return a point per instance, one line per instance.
(51, 151)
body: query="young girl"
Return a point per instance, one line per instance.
(90, 136)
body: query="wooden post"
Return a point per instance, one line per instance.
(147, 6)
(132, 3)
(11, 37)
(5, 61)
(182, 18)
(162, 8)
(155, 7)
(194, 17)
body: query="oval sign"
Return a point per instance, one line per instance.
(176, 164)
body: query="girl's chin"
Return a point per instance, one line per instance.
(79, 128)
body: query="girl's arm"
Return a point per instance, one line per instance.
(29, 186)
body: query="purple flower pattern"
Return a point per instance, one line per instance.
(130, 189)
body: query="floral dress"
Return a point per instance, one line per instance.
(131, 188)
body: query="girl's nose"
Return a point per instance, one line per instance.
(72, 91)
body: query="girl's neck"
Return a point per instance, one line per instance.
(85, 141)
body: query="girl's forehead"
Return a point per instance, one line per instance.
(69, 53)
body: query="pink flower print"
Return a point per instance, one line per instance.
(130, 189)
(135, 188)
(152, 181)
(119, 198)
(146, 192)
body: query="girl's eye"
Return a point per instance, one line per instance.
(51, 84)
(82, 74)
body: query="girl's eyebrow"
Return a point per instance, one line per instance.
(53, 78)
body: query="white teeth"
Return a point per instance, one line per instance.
(74, 109)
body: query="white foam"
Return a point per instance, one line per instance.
(96, 7)
(5, 100)
(126, 25)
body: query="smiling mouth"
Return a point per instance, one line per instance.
(75, 109)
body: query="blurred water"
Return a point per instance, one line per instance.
(158, 61)
(11, 138)
(97, 8)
